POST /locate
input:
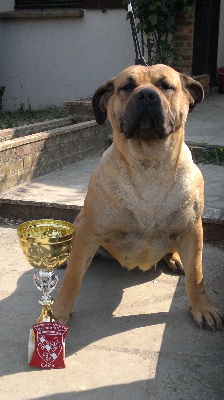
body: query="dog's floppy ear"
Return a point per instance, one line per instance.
(193, 89)
(100, 99)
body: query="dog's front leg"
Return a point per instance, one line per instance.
(190, 250)
(84, 247)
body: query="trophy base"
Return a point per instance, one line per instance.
(31, 348)
(46, 316)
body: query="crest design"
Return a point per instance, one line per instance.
(49, 345)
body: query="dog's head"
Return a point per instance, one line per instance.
(147, 102)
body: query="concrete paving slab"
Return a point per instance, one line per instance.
(214, 187)
(131, 335)
(64, 186)
(205, 124)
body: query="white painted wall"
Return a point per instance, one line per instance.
(48, 61)
(220, 59)
(6, 5)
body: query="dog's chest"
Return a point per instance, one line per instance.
(143, 234)
(145, 226)
(156, 197)
(158, 211)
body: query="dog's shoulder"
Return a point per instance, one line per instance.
(188, 171)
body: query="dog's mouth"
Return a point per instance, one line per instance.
(147, 128)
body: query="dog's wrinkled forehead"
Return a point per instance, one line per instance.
(140, 75)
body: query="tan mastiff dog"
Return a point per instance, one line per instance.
(145, 199)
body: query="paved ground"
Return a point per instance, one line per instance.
(205, 123)
(132, 336)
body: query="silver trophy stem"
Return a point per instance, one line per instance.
(45, 281)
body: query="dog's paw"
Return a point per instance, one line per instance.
(59, 314)
(207, 316)
(174, 263)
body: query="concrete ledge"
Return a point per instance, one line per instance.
(44, 135)
(20, 210)
(213, 214)
(24, 130)
(79, 107)
(56, 13)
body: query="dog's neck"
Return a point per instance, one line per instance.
(163, 152)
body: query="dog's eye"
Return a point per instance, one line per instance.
(166, 86)
(128, 86)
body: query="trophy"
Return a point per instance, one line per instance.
(46, 244)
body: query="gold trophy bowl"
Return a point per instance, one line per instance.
(46, 244)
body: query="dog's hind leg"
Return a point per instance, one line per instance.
(174, 263)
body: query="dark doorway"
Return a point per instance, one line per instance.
(206, 30)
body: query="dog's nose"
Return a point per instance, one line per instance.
(146, 96)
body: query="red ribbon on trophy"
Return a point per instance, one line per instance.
(49, 345)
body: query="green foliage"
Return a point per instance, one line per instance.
(156, 25)
(11, 119)
(208, 155)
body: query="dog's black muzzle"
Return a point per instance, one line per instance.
(145, 116)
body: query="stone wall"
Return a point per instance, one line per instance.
(33, 155)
